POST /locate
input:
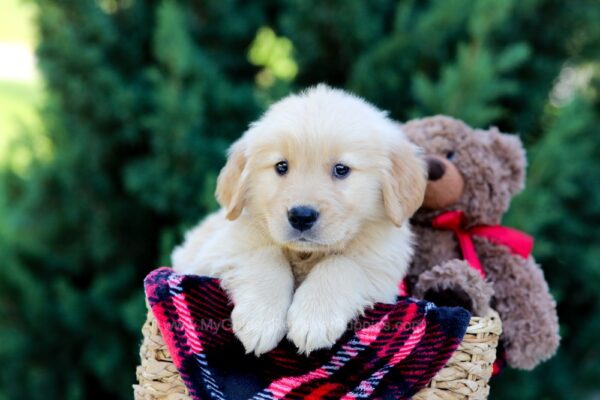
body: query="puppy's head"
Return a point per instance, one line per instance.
(318, 167)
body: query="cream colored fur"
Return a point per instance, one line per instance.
(310, 285)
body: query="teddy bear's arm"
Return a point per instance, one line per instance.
(527, 309)
(455, 283)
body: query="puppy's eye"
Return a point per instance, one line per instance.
(341, 171)
(281, 168)
(451, 155)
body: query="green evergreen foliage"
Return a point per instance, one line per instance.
(144, 96)
(561, 208)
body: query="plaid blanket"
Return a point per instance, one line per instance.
(391, 353)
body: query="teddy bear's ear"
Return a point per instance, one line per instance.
(511, 154)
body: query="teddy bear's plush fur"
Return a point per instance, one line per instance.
(478, 172)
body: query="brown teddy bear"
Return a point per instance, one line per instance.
(463, 257)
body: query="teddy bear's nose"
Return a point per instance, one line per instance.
(435, 167)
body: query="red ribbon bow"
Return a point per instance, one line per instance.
(518, 243)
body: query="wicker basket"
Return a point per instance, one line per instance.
(465, 376)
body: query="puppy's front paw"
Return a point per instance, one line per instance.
(312, 325)
(259, 330)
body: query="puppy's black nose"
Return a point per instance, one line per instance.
(436, 168)
(302, 218)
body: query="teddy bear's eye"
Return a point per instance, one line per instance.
(450, 155)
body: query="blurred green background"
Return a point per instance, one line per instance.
(111, 151)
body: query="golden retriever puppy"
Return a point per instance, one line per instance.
(316, 196)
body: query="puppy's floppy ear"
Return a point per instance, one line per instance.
(230, 184)
(404, 182)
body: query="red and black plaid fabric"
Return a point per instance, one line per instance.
(389, 353)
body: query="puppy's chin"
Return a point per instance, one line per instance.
(311, 242)
(308, 246)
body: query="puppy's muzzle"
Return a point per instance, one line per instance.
(302, 218)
